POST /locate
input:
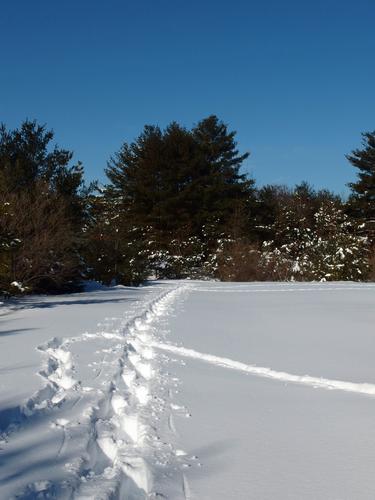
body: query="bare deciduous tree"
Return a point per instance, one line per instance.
(39, 252)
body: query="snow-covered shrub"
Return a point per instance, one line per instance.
(328, 248)
(183, 258)
(274, 265)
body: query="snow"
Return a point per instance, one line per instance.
(189, 390)
(18, 285)
(260, 371)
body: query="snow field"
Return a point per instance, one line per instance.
(279, 379)
(197, 391)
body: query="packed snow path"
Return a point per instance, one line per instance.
(107, 417)
(316, 383)
(98, 425)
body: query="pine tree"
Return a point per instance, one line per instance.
(26, 157)
(114, 250)
(181, 188)
(221, 187)
(362, 201)
(269, 198)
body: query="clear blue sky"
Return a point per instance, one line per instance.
(295, 78)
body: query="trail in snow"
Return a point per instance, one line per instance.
(124, 434)
(259, 371)
(111, 437)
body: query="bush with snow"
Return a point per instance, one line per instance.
(331, 248)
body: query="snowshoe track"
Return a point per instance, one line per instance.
(118, 441)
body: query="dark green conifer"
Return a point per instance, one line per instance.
(362, 202)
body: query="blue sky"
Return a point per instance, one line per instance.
(294, 78)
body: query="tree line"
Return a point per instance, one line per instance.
(176, 204)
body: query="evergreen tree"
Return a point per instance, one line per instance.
(114, 250)
(135, 173)
(362, 202)
(268, 201)
(221, 188)
(181, 188)
(26, 156)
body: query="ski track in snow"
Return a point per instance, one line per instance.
(259, 371)
(113, 421)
